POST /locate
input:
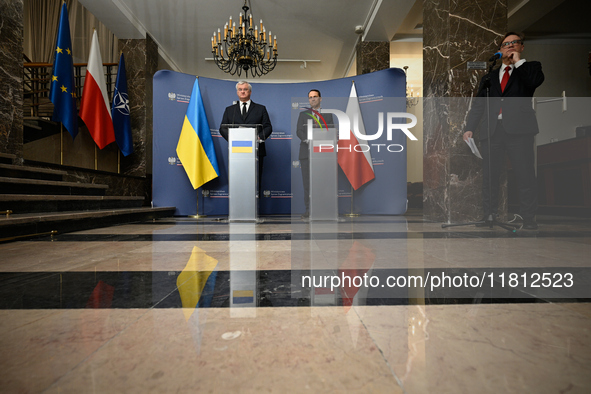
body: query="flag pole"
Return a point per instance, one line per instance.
(197, 215)
(351, 214)
(95, 159)
(119, 149)
(61, 144)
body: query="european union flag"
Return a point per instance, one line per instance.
(120, 112)
(62, 89)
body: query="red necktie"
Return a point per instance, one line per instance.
(505, 78)
(504, 82)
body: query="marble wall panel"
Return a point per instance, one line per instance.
(11, 77)
(141, 62)
(372, 56)
(455, 32)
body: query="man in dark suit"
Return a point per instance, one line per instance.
(315, 99)
(245, 111)
(512, 124)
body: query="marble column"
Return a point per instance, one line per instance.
(11, 75)
(454, 33)
(141, 63)
(372, 56)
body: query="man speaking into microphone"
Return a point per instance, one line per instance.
(512, 125)
(247, 112)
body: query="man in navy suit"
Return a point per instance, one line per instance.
(245, 111)
(512, 125)
(315, 99)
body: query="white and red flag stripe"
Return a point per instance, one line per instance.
(355, 160)
(94, 107)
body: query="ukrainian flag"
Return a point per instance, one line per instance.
(241, 146)
(195, 146)
(198, 277)
(243, 296)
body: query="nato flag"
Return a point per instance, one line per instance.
(120, 112)
(62, 91)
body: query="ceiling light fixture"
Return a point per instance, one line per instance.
(244, 48)
(412, 99)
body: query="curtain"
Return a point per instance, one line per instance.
(41, 20)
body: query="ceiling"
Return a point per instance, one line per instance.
(319, 32)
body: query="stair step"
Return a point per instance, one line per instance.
(28, 225)
(14, 171)
(7, 158)
(26, 203)
(62, 197)
(38, 186)
(32, 126)
(38, 128)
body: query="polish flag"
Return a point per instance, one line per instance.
(94, 107)
(355, 161)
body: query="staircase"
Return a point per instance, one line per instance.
(37, 201)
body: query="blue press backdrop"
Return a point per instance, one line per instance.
(381, 91)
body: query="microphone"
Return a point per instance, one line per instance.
(496, 56)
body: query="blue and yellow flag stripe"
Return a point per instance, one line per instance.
(243, 296)
(193, 279)
(195, 147)
(241, 146)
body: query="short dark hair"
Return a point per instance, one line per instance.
(315, 90)
(513, 33)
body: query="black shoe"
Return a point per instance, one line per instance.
(530, 224)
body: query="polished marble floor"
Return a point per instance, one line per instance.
(187, 305)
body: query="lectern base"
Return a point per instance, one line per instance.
(310, 219)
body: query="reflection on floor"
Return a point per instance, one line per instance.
(362, 305)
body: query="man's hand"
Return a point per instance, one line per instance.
(467, 135)
(514, 57)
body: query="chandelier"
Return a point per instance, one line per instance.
(412, 97)
(244, 47)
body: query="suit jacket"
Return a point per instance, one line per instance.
(257, 114)
(518, 114)
(302, 130)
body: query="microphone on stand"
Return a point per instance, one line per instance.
(496, 56)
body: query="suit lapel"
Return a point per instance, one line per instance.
(239, 106)
(250, 108)
(510, 81)
(496, 83)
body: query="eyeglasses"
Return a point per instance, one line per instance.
(506, 44)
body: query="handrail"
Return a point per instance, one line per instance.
(36, 84)
(37, 64)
